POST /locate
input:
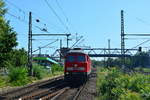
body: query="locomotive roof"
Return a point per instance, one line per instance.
(76, 51)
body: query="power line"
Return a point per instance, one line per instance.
(19, 9)
(45, 45)
(17, 17)
(26, 22)
(141, 43)
(141, 20)
(67, 20)
(54, 12)
(41, 20)
(64, 14)
(23, 18)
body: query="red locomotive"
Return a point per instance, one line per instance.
(77, 65)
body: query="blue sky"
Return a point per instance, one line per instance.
(96, 20)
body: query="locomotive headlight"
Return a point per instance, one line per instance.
(81, 68)
(69, 68)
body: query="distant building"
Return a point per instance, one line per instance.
(43, 60)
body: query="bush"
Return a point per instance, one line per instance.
(18, 76)
(117, 92)
(56, 68)
(38, 71)
(145, 91)
(130, 96)
(2, 81)
(114, 85)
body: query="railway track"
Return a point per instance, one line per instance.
(53, 89)
(74, 91)
(36, 88)
(68, 93)
(78, 92)
(54, 92)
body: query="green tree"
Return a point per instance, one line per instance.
(8, 39)
(141, 59)
(96, 63)
(18, 57)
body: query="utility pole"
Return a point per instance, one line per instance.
(104, 58)
(68, 41)
(109, 52)
(109, 45)
(76, 37)
(40, 50)
(60, 48)
(122, 39)
(30, 44)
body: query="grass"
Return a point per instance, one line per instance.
(18, 76)
(142, 69)
(112, 84)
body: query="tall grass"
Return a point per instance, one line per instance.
(18, 76)
(39, 71)
(112, 84)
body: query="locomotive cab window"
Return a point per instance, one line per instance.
(70, 59)
(81, 58)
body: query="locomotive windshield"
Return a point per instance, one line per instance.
(77, 58)
(70, 59)
(81, 59)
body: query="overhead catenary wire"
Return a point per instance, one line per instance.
(15, 6)
(17, 17)
(64, 14)
(45, 45)
(141, 44)
(42, 21)
(144, 22)
(77, 42)
(24, 21)
(66, 17)
(140, 34)
(25, 13)
(18, 9)
(54, 12)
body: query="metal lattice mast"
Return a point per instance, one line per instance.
(122, 37)
(30, 44)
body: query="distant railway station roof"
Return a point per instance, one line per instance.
(44, 57)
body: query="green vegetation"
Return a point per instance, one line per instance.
(96, 63)
(40, 72)
(57, 68)
(140, 59)
(18, 76)
(141, 69)
(3, 81)
(8, 39)
(13, 62)
(112, 84)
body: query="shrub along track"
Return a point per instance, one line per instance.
(34, 89)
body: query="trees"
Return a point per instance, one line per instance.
(18, 57)
(141, 59)
(8, 39)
